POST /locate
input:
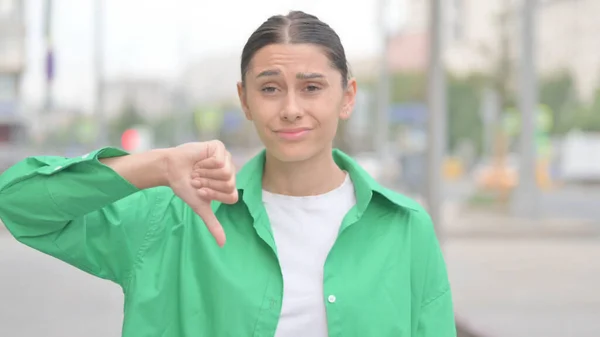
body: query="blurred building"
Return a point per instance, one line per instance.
(569, 36)
(151, 98)
(479, 32)
(212, 79)
(12, 65)
(12, 53)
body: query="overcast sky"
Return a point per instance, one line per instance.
(154, 38)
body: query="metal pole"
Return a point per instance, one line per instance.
(525, 202)
(102, 138)
(382, 130)
(490, 110)
(49, 55)
(436, 93)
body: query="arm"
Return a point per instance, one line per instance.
(436, 312)
(90, 212)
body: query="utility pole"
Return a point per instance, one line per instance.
(436, 96)
(102, 137)
(383, 87)
(49, 55)
(525, 202)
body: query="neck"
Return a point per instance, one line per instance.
(317, 175)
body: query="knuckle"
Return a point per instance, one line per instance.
(218, 143)
(232, 198)
(210, 194)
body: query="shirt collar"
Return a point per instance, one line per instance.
(249, 184)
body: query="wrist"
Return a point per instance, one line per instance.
(163, 160)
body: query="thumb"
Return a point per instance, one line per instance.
(211, 222)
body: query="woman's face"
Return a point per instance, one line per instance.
(294, 97)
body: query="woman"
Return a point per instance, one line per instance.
(315, 247)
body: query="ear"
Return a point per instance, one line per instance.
(243, 100)
(349, 99)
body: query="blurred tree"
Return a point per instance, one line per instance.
(128, 118)
(408, 87)
(166, 129)
(557, 92)
(464, 105)
(463, 97)
(590, 119)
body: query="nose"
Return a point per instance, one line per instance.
(291, 111)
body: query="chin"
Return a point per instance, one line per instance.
(289, 153)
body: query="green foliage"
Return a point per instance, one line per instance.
(464, 105)
(588, 118)
(557, 91)
(129, 118)
(408, 87)
(463, 99)
(464, 94)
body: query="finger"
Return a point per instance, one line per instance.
(210, 194)
(218, 151)
(209, 163)
(215, 162)
(214, 174)
(230, 165)
(211, 222)
(217, 185)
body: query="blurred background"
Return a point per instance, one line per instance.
(487, 112)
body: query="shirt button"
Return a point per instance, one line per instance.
(85, 156)
(331, 298)
(57, 168)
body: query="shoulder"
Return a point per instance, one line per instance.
(414, 217)
(413, 209)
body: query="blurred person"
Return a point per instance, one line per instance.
(315, 246)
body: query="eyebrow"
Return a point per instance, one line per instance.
(268, 73)
(308, 76)
(300, 76)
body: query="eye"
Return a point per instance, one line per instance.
(268, 90)
(312, 88)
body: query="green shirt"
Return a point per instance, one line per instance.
(385, 269)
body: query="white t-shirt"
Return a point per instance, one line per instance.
(305, 229)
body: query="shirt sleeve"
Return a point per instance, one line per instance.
(79, 211)
(436, 314)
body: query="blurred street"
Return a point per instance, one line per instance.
(577, 202)
(563, 202)
(505, 283)
(527, 287)
(510, 277)
(41, 296)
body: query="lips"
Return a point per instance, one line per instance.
(293, 133)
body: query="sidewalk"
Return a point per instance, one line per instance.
(527, 287)
(460, 223)
(517, 277)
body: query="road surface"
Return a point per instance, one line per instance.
(502, 288)
(41, 296)
(527, 287)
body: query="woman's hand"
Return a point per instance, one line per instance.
(199, 173)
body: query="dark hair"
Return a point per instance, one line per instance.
(295, 28)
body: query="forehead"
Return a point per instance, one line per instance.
(292, 57)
